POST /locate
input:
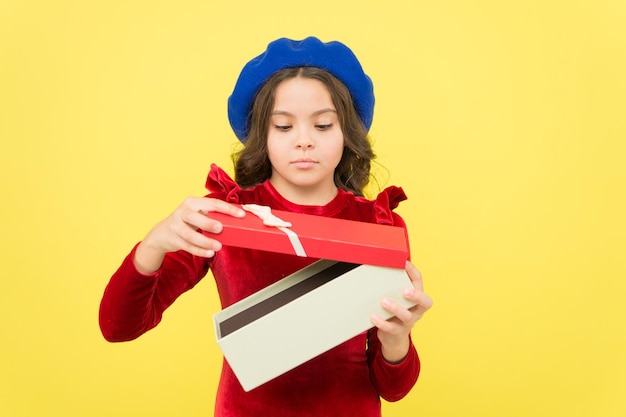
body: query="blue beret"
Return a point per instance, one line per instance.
(334, 57)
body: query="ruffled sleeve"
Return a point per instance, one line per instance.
(221, 186)
(385, 203)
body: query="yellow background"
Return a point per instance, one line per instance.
(503, 121)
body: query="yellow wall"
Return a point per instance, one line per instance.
(503, 121)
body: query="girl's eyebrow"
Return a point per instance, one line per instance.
(327, 110)
(317, 113)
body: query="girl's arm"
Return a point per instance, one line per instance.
(393, 358)
(392, 381)
(133, 302)
(171, 259)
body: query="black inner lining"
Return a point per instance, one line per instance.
(276, 301)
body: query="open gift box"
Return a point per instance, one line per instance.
(318, 307)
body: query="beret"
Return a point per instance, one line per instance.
(334, 57)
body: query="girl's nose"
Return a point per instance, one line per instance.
(307, 145)
(303, 140)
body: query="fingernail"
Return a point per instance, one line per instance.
(385, 302)
(409, 292)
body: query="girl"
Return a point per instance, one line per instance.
(302, 110)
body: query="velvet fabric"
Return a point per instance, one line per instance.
(348, 380)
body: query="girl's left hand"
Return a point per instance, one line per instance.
(394, 333)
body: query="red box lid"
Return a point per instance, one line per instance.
(321, 237)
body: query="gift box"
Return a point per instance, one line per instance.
(315, 236)
(316, 308)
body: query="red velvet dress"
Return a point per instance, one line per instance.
(345, 381)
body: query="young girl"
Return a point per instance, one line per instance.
(302, 110)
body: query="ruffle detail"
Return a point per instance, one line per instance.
(379, 210)
(222, 186)
(386, 201)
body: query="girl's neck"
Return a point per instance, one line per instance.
(306, 196)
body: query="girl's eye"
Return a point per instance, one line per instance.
(282, 128)
(324, 127)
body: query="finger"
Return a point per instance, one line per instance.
(415, 276)
(195, 242)
(194, 211)
(195, 250)
(199, 221)
(196, 239)
(417, 297)
(419, 310)
(206, 205)
(397, 310)
(384, 325)
(424, 303)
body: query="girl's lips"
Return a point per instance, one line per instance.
(304, 163)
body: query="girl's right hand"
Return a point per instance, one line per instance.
(179, 231)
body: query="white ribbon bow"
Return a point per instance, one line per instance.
(269, 219)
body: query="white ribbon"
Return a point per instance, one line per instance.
(265, 214)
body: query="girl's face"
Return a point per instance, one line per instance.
(304, 142)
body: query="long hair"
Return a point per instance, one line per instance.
(252, 164)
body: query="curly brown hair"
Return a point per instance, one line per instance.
(252, 164)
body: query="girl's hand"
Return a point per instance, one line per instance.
(394, 333)
(179, 231)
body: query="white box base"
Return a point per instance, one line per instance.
(266, 335)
